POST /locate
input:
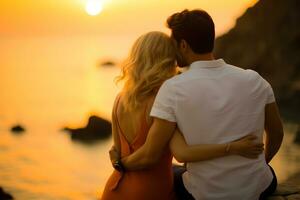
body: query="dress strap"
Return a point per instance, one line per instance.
(125, 142)
(115, 113)
(139, 133)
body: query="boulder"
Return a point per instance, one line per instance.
(96, 129)
(17, 129)
(107, 63)
(4, 195)
(289, 190)
(286, 189)
(266, 38)
(286, 192)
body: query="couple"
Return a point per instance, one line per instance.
(211, 117)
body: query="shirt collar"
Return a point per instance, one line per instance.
(207, 64)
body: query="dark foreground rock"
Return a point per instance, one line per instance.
(4, 195)
(289, 190)
(266, 38)
(286, 192)
(96, 129)
(17, 129)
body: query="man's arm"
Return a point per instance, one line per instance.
(156, 143)
(274, 131)
(246, 147)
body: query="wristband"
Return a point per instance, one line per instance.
(118, 165)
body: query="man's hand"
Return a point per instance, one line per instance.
(114, 155)
(247, 147)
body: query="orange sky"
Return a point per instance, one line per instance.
(121, 17)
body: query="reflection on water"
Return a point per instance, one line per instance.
(46, 84)
(46, 164)
(57, 76)
(45, 88)
(50, 166)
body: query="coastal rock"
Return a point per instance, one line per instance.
(293, 197)
(289, 190)
(266, 38)
(4, 195)
(286, 189)
(286, 192)
(107, 63)
(96, 129)
(17, 129)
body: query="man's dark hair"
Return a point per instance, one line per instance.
(196, 27)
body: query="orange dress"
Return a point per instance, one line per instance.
(155, 183)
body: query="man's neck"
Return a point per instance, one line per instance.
(201, 57)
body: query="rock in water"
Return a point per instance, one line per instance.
(4, 195)
(266, 38)
(17, 129)
(96, 129)
(107, 64)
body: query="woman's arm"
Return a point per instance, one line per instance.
(182, 152)
(114, 152)
(159, 135)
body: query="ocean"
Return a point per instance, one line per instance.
(48, 83)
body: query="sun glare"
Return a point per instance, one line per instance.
(93, 7)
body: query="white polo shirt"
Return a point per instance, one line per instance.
(213, 103)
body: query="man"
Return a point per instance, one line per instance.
(213, 102)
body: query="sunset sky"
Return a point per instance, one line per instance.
(118, 17)
(55, 45)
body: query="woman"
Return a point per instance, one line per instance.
(152, 60)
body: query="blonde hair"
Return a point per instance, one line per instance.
(151, 61)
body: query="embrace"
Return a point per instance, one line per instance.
(211, 117)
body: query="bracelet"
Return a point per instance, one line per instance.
(227, 149)
(118, 165)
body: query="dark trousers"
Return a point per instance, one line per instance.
(183, 194)
(272, 187)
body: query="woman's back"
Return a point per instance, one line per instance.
(152, 183)
(131, 122)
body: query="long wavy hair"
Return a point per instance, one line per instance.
(151, 61)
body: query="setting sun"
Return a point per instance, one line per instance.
(93, 7)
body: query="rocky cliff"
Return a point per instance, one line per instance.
(266, 38)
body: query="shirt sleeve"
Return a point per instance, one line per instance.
(264, 87)
(269, 92)
(164, 103)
